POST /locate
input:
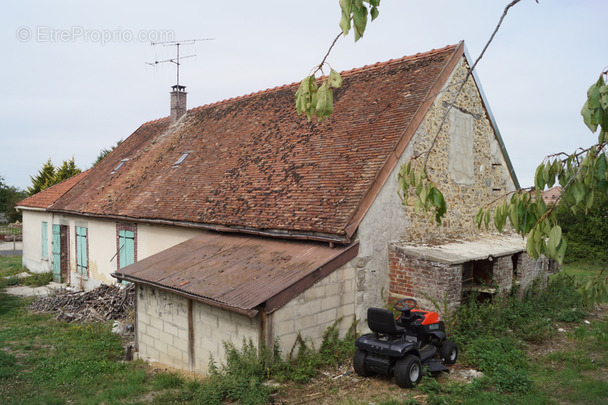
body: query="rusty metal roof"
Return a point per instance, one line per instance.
(239, 273)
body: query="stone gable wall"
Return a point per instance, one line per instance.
(466, 162)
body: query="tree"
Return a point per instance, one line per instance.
(66, 170)
(104, 152)
(586, 235)
(9, 197)
(49, 175)
(43, 179)
(582, 175)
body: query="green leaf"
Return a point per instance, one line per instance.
(486, 219)
(479, 218)
(374, 13)
(555, 238)
(578, 192)
(539, 179)
(589, 115)
(603, 96)
(346, 6)
(325, 102)
(335, 80)
(359, 21)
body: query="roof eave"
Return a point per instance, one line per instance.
(488, 110)
(273, 233)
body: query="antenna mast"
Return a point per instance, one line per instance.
(178, 58)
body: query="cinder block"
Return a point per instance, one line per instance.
(328, 316)
(170, 329)
(285, 327)
(330, 302)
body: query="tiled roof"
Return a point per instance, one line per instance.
(550, 196)
(255, 165)
(47, 197)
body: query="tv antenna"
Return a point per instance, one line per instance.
(177, 58)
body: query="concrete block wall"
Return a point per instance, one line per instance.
(212, 327)
(162, 330)
(316, 309)
(162, 327)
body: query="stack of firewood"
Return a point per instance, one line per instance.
(107, 302)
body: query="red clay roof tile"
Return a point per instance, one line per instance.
(47, 197)
(255, 164)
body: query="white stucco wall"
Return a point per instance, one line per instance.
(32, 241)
(101, 236)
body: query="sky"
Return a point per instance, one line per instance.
(75, 77)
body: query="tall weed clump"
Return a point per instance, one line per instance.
(492, 335)
(241, 377)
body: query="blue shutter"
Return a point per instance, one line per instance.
(81, 251)
(56, 246)
(126, 245)
(45, 241)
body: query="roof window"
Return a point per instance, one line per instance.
(182, 158)
(122, 162)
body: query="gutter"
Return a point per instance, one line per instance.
(273, 233)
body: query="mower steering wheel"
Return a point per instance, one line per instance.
(402, 305)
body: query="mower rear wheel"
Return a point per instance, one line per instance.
(408, 371)
(449, 352)
(359, 363)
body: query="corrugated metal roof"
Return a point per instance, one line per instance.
(238, 272)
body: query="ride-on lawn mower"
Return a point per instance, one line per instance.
(404, 346)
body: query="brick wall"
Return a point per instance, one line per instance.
(423, 280)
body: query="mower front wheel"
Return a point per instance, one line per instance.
(449, 352)
(359, 363)
(408, 371)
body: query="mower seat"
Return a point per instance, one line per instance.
(381, 321)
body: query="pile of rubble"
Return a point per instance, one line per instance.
(106, 302)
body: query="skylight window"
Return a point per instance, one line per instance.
(122, 162)
(182, 158)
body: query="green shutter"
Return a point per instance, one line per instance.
(45, 241)
(56, 246)
(81, 251)
(126, 245)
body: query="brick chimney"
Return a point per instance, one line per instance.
(178, 102)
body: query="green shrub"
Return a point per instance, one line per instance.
(503, 360)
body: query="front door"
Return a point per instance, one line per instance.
(60, 253)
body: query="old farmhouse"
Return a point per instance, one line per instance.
(241, 219)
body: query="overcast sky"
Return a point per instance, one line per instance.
(75, 79)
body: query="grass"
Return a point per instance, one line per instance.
(514, 342)
(11, 266)
(582, 271)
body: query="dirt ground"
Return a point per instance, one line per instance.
(342, 385)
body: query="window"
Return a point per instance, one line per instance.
(45, 240)
(122, 162)
(182, 158)
(127, 235)
(82, 251)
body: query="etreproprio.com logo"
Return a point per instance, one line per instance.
(43, 33)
